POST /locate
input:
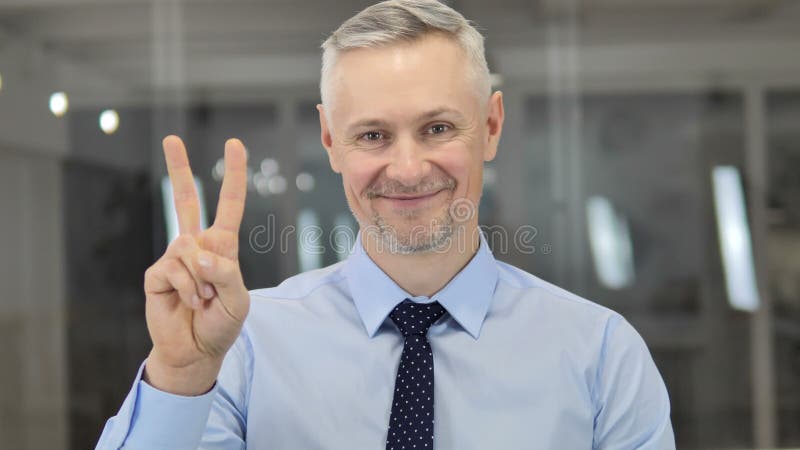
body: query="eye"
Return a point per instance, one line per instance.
(438, 128)
(372, 136)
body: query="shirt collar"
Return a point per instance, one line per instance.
(466, 297)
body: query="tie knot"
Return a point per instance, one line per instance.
(415, 318)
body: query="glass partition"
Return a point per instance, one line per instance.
(618, 116)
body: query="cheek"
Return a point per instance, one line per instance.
(358, 172)
(460, 162)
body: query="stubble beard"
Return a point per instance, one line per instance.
(420, 238)
(417, 238)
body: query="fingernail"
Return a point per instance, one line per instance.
(204, 260)
(195, 301)
(208, 291)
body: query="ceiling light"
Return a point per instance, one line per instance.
(109, 121)
(276, 184)
(735, 243)
(610, 242)
(218, 172)
(304, 181)
(59, 104)
(269, 166)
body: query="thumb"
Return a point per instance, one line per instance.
(226, 277)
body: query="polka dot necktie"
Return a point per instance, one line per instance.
(411, 421)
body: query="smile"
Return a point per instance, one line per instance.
(405, 201)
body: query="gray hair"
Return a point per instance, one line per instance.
(393, 21)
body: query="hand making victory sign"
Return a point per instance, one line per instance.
(196, 298)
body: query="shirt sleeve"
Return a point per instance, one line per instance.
(632, 409)
(154, 420)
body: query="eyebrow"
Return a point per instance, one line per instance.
(379, 123)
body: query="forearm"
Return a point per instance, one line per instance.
(152, 419)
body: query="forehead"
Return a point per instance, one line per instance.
(402, 79)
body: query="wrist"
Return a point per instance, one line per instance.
(194, 379)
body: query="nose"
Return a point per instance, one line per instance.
(408, 164)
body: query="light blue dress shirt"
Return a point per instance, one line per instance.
(519, 364)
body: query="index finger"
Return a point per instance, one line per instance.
(184, 192)
(234, 187)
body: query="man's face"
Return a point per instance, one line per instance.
(409, 134)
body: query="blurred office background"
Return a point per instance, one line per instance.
(651, 152)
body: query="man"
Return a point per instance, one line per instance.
(420, 339)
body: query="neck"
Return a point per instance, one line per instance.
(426, 273)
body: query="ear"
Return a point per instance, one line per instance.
(494, 122)
(327, 138)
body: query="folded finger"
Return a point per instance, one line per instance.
(171, 275)
(184, 248)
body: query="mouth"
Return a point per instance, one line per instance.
(411, 200)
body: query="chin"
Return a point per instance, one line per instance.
(428, 230)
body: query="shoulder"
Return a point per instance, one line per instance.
(568, 318)
(301, 285)
(613, 348)
(296, 302)
(545, 298)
